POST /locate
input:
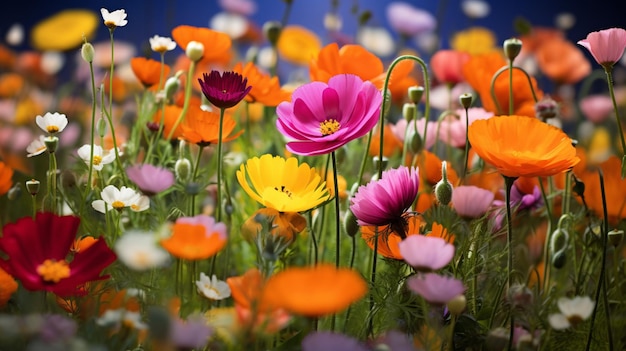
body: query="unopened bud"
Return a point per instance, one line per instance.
(272, 30)
(52, 143)
(415, 94)
(559, 259)
(33, 186)
(466, 100)
(409, 111)
(546, 108)
(195, 51)
(512, 48)
(171, 85)
(182, 168)
(415, 141)
(457, 305)
(87, 52)
(350, 224)
(102, 127)
(615, 237)
(443, 189)
(364, 17)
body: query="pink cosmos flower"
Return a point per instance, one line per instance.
(400, 131)
(426, 253)
(323, 117)
(606, 46)
(408, 20)
(383, 202)
(471, 201)
(452, 129)
(447, 65)
(150, 179)
(434, 288)
(596, 108)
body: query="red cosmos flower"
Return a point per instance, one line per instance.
(224, 90)
(37, 253)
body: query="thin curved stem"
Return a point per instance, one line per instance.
(508, 183)
(609, 80)
(183, 112)
(93, 125)
(493, 83)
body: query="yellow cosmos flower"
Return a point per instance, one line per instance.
(282, 184)
(475, 41)
(298, 45)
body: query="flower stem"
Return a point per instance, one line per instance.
(218, 205)
(493, 83)
(609, 81)
(93, 126)
(466, 156)
(183, 112)
(337, 214)
(511, 109)
(508, 183)
(192, 209)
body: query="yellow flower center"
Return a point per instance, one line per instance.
(110, 24)
(96, 160)
(329, 127)
(52, 129)
(118, 205)
(53, 271)
(134, 207)
(283, 189)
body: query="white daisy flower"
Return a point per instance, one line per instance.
(212, 288)
(115, 319)
(36, 147)
(141, 204)
(475, 8)
(378, 40)
(573, 311)
(114, 19)
(15, 34)
(52, 122)
(140, 251)
(99, 158)
(233, 24)
(162, 44)
(118, 199)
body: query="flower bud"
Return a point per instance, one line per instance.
(182, 168)
(512, 48)
(457, 305)
(615, 237)
(415, 94)
(364, 17)
(33, 186)
(466, 100)
(171, 85)
(52, 143)
(443, 189)
(87, 52)
(415, 141)
(520, 296)
(102, 127)
(350, 224)
(409, 111)
(272, 30)
(195, 51)
(546, 108)
(192, 188)
(559, 259)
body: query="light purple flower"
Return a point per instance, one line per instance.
(606, 46)
(56, 327)
(331, 341)
(596, 108)
(384, 201)
(393, 340)
(150, 179)
(434, 288)
(323, 117)
(242, 7)
(403, 129)
(408, 20)
(426, 253)
(193, 333)
(471, 201)
(452, 129)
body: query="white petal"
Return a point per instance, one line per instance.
(558, 321)
(110, 194)
(99, 206)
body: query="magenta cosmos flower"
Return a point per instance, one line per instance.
(150, 179)
(384, 201)
(37, 251)
(224, 90)
(426, 253)
(323, 117)
(434, 288)
(606, 46)
(470, 201)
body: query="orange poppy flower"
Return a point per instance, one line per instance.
(83, 244)
(6, 178)
(195, 238)
(520, 146)
(216, 44)
(170, 117)
(265, 89)
(285, 224)
(8, 286)
(202, 127)
(120, 90)
(388, 242)
(614, 185)
(479, 71)
(439, 231)
(315, 291)
(10, 85)
(355, 59)
(148, 71)
(563, 62)
(298, 45)
(430, 169)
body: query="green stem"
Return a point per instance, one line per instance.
(508, 182)
(93, 127)
(192, 209)
(111, 73)
(337, 214)
(313, 238)
(511, 87)
(183, 112)
(218, 205)
(370, 328)
(609, 80)
(466, 156)
(493, 82)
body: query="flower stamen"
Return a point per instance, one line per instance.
(329, 126)
(118, 205)
(53, 271)
(284, 190)
(52, 129)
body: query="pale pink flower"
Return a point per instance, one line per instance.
(434, 288)
(426, 253)
(596, 108)
(471, 201)
(606, 46)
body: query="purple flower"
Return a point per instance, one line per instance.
(191, 334)
(434, 288)
(242, 7)
(384, 201)
(394, 340)
(56, 327)
(426, 253)
(150, 179)
(606, 46)
(409, 20)
(471, 201)
(520, 201)
(224, 90)
(322, 118)
(330, 341)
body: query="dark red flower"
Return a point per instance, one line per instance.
(38, 252)
(224, 90)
